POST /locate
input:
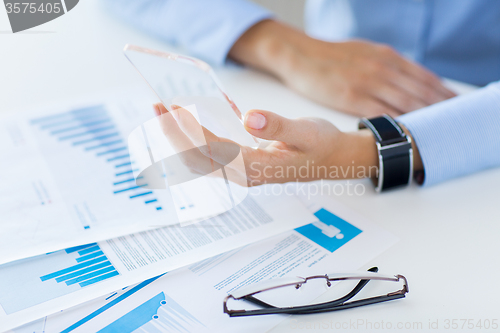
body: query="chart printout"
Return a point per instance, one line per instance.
(67, 179)
(48, 283)
(171, 302)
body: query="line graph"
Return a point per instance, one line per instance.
(159, 313)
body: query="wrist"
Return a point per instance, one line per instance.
(365, 153)
(358, 155)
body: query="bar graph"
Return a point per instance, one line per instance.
(92, 131)
(91, 266)
(32, 281)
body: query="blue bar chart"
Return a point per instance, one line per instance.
(52, 275)
(93, 131)
(91, 267)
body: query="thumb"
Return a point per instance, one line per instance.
(270, 126)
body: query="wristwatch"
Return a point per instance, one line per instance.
(395, 155)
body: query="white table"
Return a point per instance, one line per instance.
(449, 233)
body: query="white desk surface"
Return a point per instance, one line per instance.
(448, 233)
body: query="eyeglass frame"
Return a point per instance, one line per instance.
(335, 305)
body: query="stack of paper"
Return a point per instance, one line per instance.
(80, 239)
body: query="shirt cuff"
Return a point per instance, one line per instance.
(458, 136)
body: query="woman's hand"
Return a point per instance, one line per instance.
(306, 149)
(356, 77)
(302, 149)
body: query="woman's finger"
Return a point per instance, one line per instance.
(396, 97)
(425, 77)
(270, 126)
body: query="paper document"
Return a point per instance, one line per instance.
(190, 299)
(67, 179)
(41, 285)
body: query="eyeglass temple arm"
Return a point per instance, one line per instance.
(310, 309)
(349, 305)
(325, 307)
(340, 300)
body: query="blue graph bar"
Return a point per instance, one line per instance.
(125, 172)
(73, 268)
(123, 164)
(97, 130)
(94, 108)
(124, 181)
(89, 256)
(99, 278)
(76, 118)
(82, 125)
(128, 189)
(90, 249)
(158, 208)
(90, 275)
(82, 271)
(95, 139)
(140, 194)
(78, 248)
(118, 157)
(150, 201)
(111, 151)
(104, 144)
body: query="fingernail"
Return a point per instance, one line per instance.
(255, 120)
(156, 109)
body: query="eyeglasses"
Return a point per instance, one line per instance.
(284, 289)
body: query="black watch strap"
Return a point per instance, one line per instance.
(394, 152)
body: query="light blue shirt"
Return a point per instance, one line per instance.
(458, 39)
(459, 136)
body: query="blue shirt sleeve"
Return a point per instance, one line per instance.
(459, 136)
(206, 28)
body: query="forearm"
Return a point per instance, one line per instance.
(270, 46)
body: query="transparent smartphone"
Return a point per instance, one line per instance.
(193, 147)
